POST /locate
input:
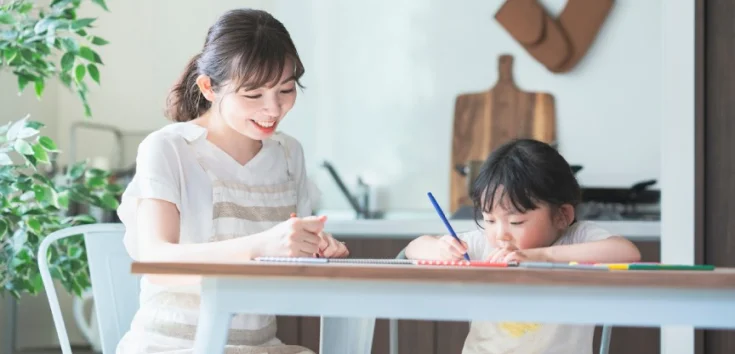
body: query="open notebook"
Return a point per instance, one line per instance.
(335, 260)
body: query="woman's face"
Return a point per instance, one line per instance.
(256, 113)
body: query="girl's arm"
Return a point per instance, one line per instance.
(423, 247)
(615, 249)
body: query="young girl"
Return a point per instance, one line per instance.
(220, 185)
(526, 194)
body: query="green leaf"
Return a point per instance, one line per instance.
(22, 82)
(47, 143)
(82, 23)
(10, 54)
(101, 3)
(84, 219)
(65, 79)
(64, 200)
(79, 72)
(114, 188)
(25, 7)
(40, 153)
(34, 224)
(89, 54)
(5, 159)
(3, 228)
(42, 25)
(109, 201)
(94, 72)
(39, 192)
(70, 45)
(97, 172)
(6, 18)
(95, 182)
(37, 282)
(35, 124)
(43, 179)
(75, 252)
(99, 41)
(23, 147)
(77, 170)
(67, 61)
(39, 85)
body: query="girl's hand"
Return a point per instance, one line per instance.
(295, 237)
(511, 253)
(450, 249)
(331, 248)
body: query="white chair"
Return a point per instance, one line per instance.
(116, 292)
(115, 289)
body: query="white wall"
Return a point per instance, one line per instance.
(378, 74)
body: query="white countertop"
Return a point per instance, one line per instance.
(412, 224)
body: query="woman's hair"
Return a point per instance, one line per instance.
(528, 172)
(247, 47)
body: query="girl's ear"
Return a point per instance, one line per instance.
(205, 87)
(564, 216)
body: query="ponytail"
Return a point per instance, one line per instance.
(185, 102)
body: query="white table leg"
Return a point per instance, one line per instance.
(341, 335)
(213, 325)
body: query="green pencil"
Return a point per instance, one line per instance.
(669, 267)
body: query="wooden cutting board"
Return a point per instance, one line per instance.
(485, 120)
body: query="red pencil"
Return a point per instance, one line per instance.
(465, 263)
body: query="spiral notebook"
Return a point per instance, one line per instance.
(335, 260)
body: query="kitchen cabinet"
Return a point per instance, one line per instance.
(442, 337)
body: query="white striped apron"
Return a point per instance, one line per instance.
(167, 322)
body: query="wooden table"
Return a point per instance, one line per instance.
(626, 298)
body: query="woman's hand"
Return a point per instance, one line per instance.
(295, 237)
(329, 247)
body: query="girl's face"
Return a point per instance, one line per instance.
(506, 227)
(256, 113)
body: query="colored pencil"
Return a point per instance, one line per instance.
(446, 222)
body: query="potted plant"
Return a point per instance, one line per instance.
(39, 43)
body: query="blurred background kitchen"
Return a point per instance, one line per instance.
(377, 121)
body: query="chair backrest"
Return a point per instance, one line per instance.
(114, 288)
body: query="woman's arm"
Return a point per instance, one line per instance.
(158, 238)
(158, 241)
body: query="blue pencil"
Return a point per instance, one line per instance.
(446, 222)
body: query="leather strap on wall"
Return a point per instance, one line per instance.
(557, 43)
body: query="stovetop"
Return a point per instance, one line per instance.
(618, 212)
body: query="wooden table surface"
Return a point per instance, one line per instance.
(721, 278)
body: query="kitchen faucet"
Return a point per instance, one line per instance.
(359, 201)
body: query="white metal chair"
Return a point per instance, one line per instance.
(393, 328)
(116, 292)
(115, 289)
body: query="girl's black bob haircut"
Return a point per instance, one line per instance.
(527, 172)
